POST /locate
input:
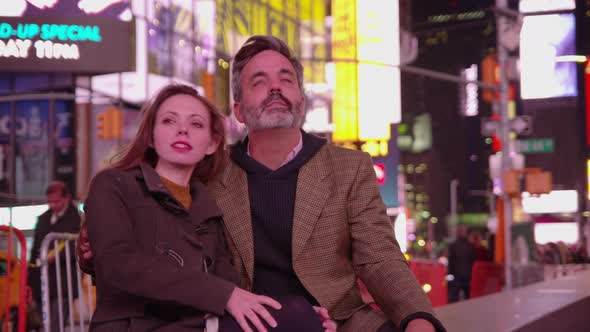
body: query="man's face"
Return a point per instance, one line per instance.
(57, 202)
(271, 97)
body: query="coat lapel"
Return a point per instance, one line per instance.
(313, 187)
(231, 192)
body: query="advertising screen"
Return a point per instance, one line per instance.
(531, 6)
(544, 41)
(83, 36)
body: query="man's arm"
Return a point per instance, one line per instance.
(83, 250)
(377, 257)
(37, 238)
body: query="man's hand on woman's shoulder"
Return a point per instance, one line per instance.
(83, 250)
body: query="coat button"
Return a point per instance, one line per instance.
(202, 229)
(208, 261)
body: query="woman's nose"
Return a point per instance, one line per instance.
(182, 130)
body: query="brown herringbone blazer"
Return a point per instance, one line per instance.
(340, 232)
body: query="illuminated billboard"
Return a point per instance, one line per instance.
(531, 6)
(65, 36)
(366, 51)
(118, 9)
(544, 41)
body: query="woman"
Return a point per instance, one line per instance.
(160, 257)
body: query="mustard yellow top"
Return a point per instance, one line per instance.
(181, 193)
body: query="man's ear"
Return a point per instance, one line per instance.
(237, 108)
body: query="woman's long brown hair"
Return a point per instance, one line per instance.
(141, 149)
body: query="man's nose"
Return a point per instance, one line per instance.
(275, 86)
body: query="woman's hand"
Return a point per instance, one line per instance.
(245, 306)
(328, 324)
(419, 325)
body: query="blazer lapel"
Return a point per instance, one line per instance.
(312, 193)
(232, 198)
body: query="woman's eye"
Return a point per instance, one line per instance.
(167, 121)
(197, 125)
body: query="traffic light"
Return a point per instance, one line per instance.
(533, 180)
(489, 75)
(109, 123)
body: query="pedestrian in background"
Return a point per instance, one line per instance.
(61, 217)
(461, 258)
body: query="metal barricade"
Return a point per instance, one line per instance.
(10, 276)
(84, 304)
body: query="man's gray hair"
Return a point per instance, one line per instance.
(255, 45)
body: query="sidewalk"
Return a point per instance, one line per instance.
(562, 304)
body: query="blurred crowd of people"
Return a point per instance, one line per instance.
(471, 246)
(562, 253)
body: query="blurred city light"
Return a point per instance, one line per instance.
(567, 232)
(557, 201)
(400, 230)
(571, 58)
(543, 39)
(25, 217)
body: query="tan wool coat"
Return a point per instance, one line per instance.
(340, 232)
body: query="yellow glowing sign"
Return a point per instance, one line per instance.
(365, 48)
(376, 148)
(345, 103)
(300, 23)
(373, 148)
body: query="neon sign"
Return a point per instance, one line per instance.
(45, 48)
(63, 32)
(64, 44)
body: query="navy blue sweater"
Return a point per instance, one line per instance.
(272, 202)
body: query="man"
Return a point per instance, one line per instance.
(461, 258)
(62, 217)
(304, 217)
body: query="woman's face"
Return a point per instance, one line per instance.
(182, 133)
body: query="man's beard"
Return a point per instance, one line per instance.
(292, 115)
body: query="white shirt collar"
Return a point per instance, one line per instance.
(55, 216)
(291, 155)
